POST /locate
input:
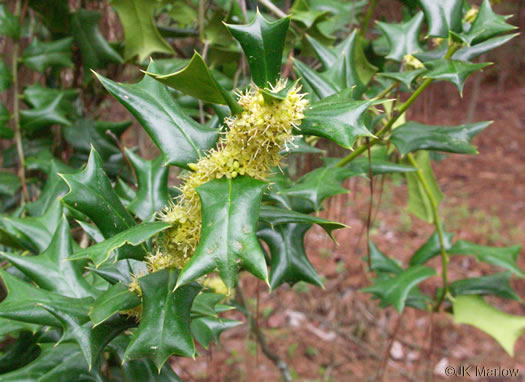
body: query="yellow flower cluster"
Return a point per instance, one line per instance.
(250, 147)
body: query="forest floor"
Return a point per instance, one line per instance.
(339, 333)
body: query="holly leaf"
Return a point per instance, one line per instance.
(503, 327)
(12, 327)
(263, 44)
(50, 270)
(121, 271)
(99, 253)
(9, 183)
(9, 25)
(142, 36)
(20, 353)
(339, 121)
(5, 77)
(204, 304)
(289, 262)
(497, 284)
(34, 233)
(453, 71)
(208, 329)
(60, 363)
(402, 37)
(21, 303)
(487, 25)
(276, 216)
(381, 263)
(84, 136)
(196, 80)
(38, 97)
(39, 55)
(414, 136)
(406, 78)
(230, 209)
(319, 184)
(47, 114)
(468, 53)
(91, 193)
(115, 299)
(95, 50)
(442, 16)
(54, 188)
(504, 257)
(165, 122)
(431, 248)
(140, 369)
(395, 290)
(164, 327)
(418, 201)
(152, 192)
(316, 85)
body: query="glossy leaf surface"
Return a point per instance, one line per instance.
(403, 37)
(164, 328)
(497, 284)
(230, 210)
(165, 122)
(452, 71)
(442, 16)
(413, 136)
(40, 55)
(117, 298)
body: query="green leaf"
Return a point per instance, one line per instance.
(140, 369)
(9, 183)
(38, 96)
(21, 303)
(320, 184)
(379, 262)
(413, 136)
(39, 56)
(468, 53)
(208, 329)
(121, 271)
(5, 131)
(180, 138)
(431, 248)
(418, 201)
(20, 353)
(164, 328)
(442, 16)
(316, 85)
(9, 25)
(263, 44)
(152, 192)
(395, 290)
(289, 262)
(379, 166)
(230, 209)
(205, 304)
(91, 193)
(117, 298)
(406, 78)
(504, 257)
(12, 327)
(61, 363)
(452, 71)
(84, 136)
(339, 121)
(47, 114)
(504, 328)
(403, 37)
(54, 14)
(50, 270)
(196, 80)
(35, 233)
(142, 36)
(100, 253)
(54, 188)
(497, 284)
(276, 216)
(95, 50)
(5, 76)
(487, 25)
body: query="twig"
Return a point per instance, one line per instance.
(368, 16)
(16, 112)
(370, 204)
(382, 369)
(271, 7)
(261, 338)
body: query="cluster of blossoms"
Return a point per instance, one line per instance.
(251, 146)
